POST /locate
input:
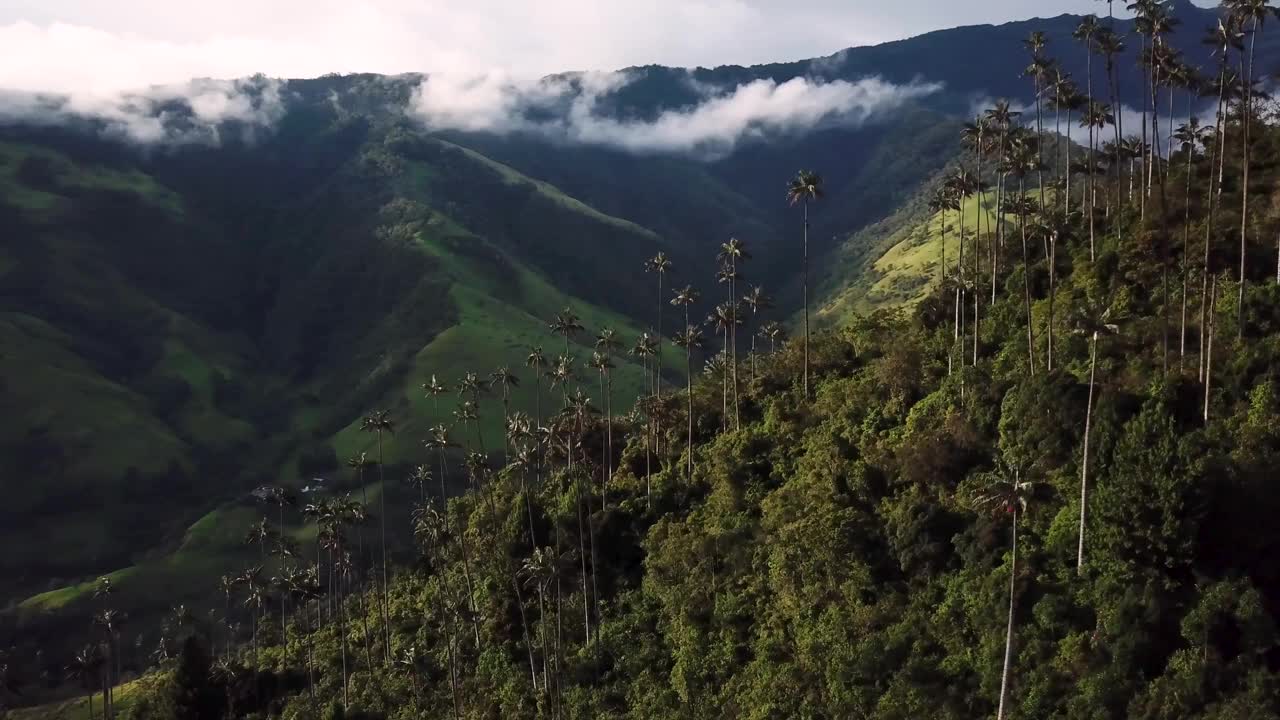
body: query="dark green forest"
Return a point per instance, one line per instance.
(1043, 488)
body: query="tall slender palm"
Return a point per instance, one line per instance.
(1055, 225)
(1007, 494)
(1019, 161)
(1040, 71)
(1096, 117)
(440, 442)
(1095, 320)
(660, 265)
(690, 340)
(1085, 33)
(774, 332)
(1110, 46)
(721, 321)
(1252, 14)
(505, 380)
(537, 362)
(567, 325)
(380, 423)
(1002, 118)
(84, 668)
(805, 188)
(734, 253)
(1067, 97)
(109, 619)
(757, 301)
(1223, 39)
(1189, 135)
(539, 570)
(602, 363)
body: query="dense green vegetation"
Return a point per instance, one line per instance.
(1038, 488)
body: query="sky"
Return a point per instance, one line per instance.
(98, 47)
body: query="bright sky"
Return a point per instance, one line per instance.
(95, 46)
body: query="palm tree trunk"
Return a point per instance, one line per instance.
(1244, 190)
(1026, 285)
(657, 371)
(1084, 461)
(1208, 358)
(1053, 291)
(806, 331)
(1008, 637)
(688, 355)
(382, 498)
(1214, 199)
(581, 555)
(960, 334)
(733, 339)
(1186, 247)
(464, 551)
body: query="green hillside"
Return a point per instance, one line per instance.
(352, 328)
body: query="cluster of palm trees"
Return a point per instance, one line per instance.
(1125, 178)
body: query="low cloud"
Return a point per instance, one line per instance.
(572, 109)
(199, 111)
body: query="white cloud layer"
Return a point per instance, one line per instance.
(193, 112)
(567, 109)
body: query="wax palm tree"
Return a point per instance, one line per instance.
(567, 325)
(227, 584)
(690, 340)
(1096, 117)
(1019, 161)
(1223, 39)
(440, 442)
(505, 381)
(1252, 14)
(260, 533)
(940, 202)
(608, 345)
(659, 265)
(1085, 33)
(420, 477)
(602, 363)
(686, 297)
(255, 600)
(84, 668)
(1189, 135)
(110, 619)
(430, 529)
(540, 569)
(757, 301)
(734, 254)
(645, 349)
(1110, 45)
(1095, 320)
(1067, 97)
(358, 463)
(1054, 225)
(1002, 117)
(961, 184)
(721, 320)
(774, 332)
(1007, 494)
(805, 188)
(1040, 71)
(380, 423)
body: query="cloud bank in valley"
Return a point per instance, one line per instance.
(569, 109)
(197, 111)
